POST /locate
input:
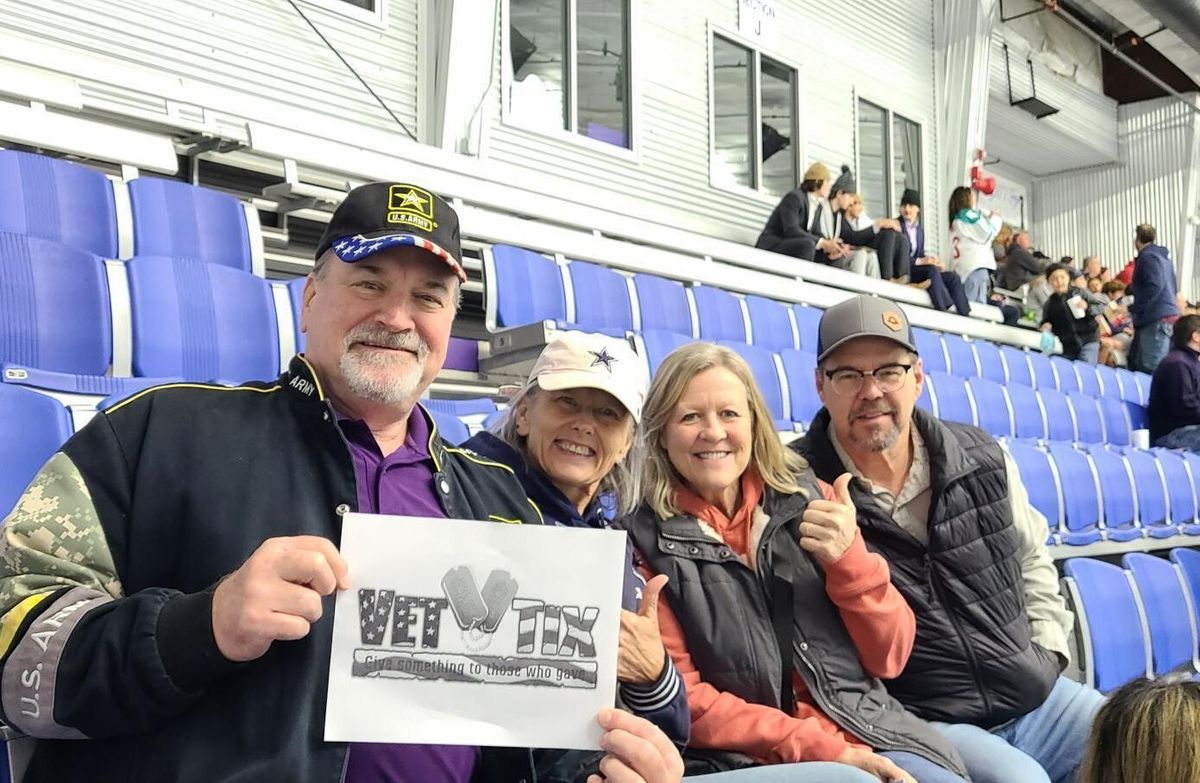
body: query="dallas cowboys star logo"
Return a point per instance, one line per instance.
(603, 357)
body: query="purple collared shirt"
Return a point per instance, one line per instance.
(400, 483)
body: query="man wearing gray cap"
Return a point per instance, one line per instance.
(944, 504)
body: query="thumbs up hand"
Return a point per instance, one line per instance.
(828, 527)
(640, 653)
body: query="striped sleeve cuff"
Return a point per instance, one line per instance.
(652, 696)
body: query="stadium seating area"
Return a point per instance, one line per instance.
(108, 287)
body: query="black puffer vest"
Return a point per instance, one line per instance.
(748, 630)
(974, 660)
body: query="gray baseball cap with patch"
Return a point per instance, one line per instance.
(863, 316)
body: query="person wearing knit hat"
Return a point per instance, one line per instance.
(883, 236)
(945, 288)
(801, 225)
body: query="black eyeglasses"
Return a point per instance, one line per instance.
(847, 382)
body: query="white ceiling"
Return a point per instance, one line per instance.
(1132, 16)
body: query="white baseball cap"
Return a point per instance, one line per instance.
(578, 360)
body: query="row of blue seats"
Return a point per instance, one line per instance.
(524, 287)
(1137, 621)
(80, 207)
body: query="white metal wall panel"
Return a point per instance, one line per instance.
(1095, 212)
(881, 50)
(258, 49)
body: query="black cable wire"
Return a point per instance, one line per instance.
(350, 68)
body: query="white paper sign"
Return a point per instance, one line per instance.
(758, 19)
(474, 633)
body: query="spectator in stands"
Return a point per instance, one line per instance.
(1020, 266)
(1066, 314)
(1146, 733)
(171, 569)
(1153, 308)
(1126, 273)
(1174, 409)
(1035, 297)
(1095, 285)
(971, 235)
(883, 236)
(1093, 270)
(1116, 331)
(739, 524)
(802, 222)
(945, 506)
(570, 437)
(861, 260)
(945, 288)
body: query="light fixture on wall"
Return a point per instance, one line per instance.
(1033, 104)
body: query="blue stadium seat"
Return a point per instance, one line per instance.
(1188, 561)
(1117, 494)
(1191, 463)
(664, 305)
(1017, 366)
(925, 402)
(295, 288)
(808, 319)
(59, 201)
(522, 287)
(178, 220)
(1169, 618)
(961, 353)
(1060, 421)
(1044, 376)
(450, 428)
(799, 369)
(766, 373)
(1116, 420)
(1181, 492)
(1137, 415)
(1089, 419)
(1081, 495)
(720, 315)
(932, 350)
(991, 361)
(474, 406)
(492, 419)
(32, 427)
(201, 321)
(1153, 512)
(655, 344)
(1089, 379)
(1127, 382)
(991, 407)
(1067, 373)
(772, 324)
(950, 397)
(1142, 380)
(1040, 480)
(132, 387)
(1110, 384)
(1029, 419)
(1116, 644)
(601, 299)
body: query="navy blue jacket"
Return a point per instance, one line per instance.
(1154, 286)
(663, 703)
(1174, 393)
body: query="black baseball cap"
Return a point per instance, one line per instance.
(380, 215)
(863, 316)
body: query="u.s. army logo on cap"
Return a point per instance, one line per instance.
(409, 205)
(892, 320)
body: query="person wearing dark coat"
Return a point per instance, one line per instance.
(884, 237)
(801, 225)
(1021, 266)
(945, 288)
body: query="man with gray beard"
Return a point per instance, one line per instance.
(944, 504)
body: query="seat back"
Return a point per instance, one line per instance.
(295, 288)
(951, 399)
(1116, 644)
(522, 287)
(1151, 491)
(1142, 381)
(63, 202)
(766, 374)
(601, 298)
(1169, 615)
(54, 307)
(1181, 497)
(1127, 382)
(1089, 420)
(1017, 366)
(1044, 376)
(450, 427)
(1188, 561)
(991, 362)
(1040, 481)
(1029, 418)
(32, 427)
(720, 315)
(799, 368)
(808, 320)
(1081, 495)
(1089, 379)
(664, 305)
(1065, 371)
(771, 324)
(201, 321)
(1116, 420)
(1060, 421)
(961, 353)
(1110, 384)
(178, 220)
(932, 350)
(655, 344)
(1118, 496)
(991, 407)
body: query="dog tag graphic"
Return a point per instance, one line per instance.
(498, 593)
(467, 604)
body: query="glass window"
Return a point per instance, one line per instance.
(582, 88)
(733, 108)
(873, 159)
(369, 5)
(778, 127)
(906, 157)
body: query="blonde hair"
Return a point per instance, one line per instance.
(1146, 733)
(623, 481)
(776, 464)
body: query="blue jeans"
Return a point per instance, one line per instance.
(921, 768)
(977, 284)
(1090, 352)
(924, 770)
(1043, 746)
(1182, 438)
(1150, 344)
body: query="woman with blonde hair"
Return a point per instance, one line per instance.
(1147, 732)
(776, 615)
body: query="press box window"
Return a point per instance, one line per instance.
(754, 119)
(889, 157)
(570, 66)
